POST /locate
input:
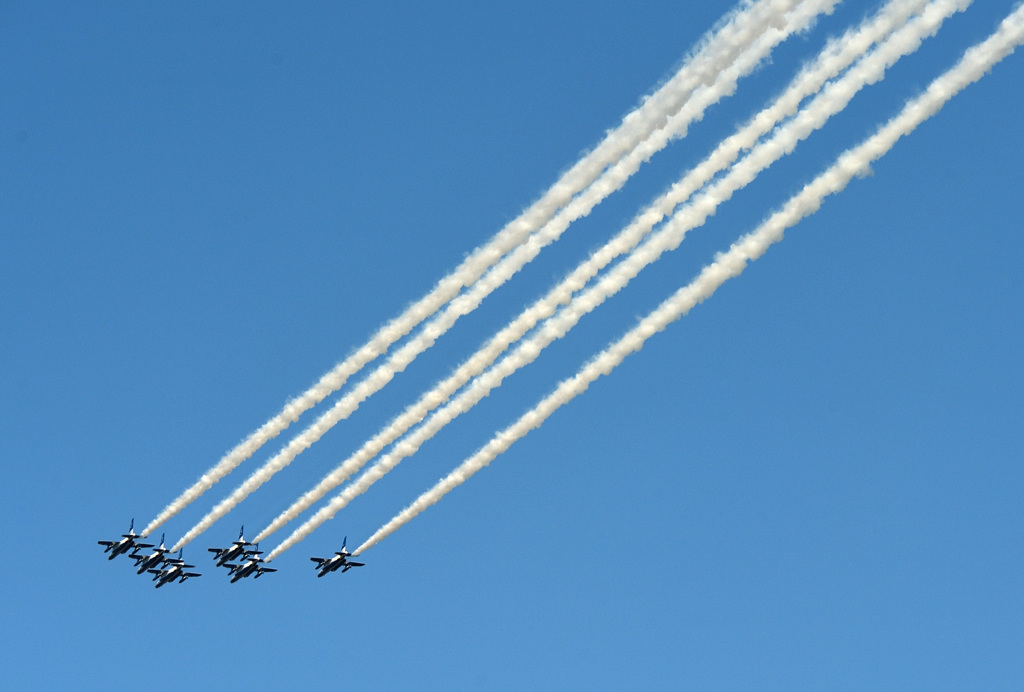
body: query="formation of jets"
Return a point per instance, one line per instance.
(239, 559)
(167, 570)
(250, 562)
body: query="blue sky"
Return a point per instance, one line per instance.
(812, 481)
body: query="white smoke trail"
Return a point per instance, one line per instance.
(975, 63)
(836, 56)
(716, 51)
(830, 101)
(612, 179)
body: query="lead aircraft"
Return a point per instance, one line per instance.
(326, 565)
(126, 543)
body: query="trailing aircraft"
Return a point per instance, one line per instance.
(224, 555)
(153, 560)
(175, 570)
(251, 566)
(126, 543)
(326, 565)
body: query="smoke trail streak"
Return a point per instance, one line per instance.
(715, 51)
(611, 180)
(830, 101)
(835, 57)
(975, 63)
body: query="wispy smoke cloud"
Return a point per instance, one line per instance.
(975, 63)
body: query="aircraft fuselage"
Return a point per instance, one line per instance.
(244, 570)
(120, 547)
(151, 561)
(229, 555)
(168, 575)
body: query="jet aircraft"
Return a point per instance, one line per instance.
(126, 543)
(326, 565)
(225, 555)
(153, 560)
(175, 570)
(251, 566)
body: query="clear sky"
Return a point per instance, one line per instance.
(813, 481)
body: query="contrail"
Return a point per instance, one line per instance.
(716, 51)
(836, 56)
(612, 179)
(975, 63)
(830, 101)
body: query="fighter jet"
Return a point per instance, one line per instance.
(175, 569)
(251, 566)
(153, 560)
(224, 555)
(326, 565)
(126, 543)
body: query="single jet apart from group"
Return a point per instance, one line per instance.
(225, 555)
(126, 543)
(175, 570)
(252, 566)
(326, 565)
